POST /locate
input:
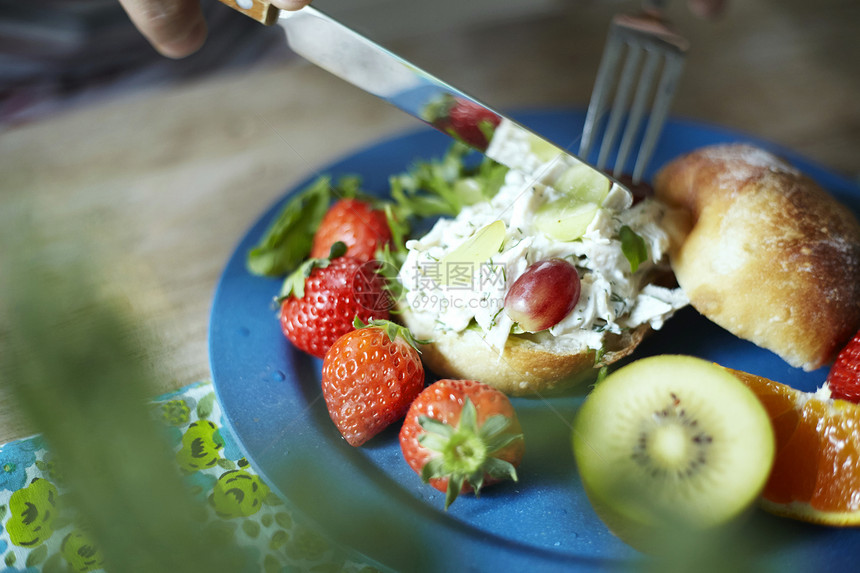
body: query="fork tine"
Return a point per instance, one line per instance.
(622, 100)
(637, 110)
(600, 94)
(674, 64)
(664, 51)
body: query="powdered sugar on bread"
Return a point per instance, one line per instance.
(769, 255)
(740, 162)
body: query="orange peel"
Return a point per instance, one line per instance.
(816, 474)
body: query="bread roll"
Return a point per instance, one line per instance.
(530, 364)
(764, 251)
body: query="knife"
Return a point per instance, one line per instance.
(351, 56)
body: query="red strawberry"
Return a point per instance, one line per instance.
(844, 376)
(460, 435)
(356, 224)
(369, 378)
(462, 118)
(323, 297)
(472, 123)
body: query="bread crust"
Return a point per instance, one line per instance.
(764, 251)
(526, 367)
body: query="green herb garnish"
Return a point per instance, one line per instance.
(633, 246)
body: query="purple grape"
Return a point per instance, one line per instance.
(543, 295)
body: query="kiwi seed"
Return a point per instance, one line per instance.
(671, 442)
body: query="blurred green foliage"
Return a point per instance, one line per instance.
(73, 358)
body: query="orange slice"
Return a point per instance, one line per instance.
(816, 474)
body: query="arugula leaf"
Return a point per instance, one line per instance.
(492, 176)
(633, 246)
(435, 188)
(288, 240)
(390, 264)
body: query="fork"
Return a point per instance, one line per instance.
(647, 36)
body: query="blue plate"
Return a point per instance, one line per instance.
(370, 500)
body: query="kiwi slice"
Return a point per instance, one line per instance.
(670, 445)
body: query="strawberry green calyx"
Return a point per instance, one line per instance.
(338, 249)
(294, 284)
(465, 453)
(392, 329)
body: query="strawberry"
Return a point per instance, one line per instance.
(844, 376)
(472, 123)
(370, 376)
(462, 118)
(460, 435)
(321, 299)
(355, 223)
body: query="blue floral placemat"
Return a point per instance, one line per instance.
(38, 532)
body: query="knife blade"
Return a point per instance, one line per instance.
(365, 64)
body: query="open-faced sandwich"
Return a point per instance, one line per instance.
(536, 288)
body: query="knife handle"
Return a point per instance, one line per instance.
(257, 9)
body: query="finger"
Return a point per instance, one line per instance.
(708, 9)
(175, 28)
(290, 4)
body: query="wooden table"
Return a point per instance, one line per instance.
(174, 176)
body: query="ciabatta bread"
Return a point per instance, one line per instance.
(529, 364)
(764, 251)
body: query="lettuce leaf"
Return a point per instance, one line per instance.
(288, 240)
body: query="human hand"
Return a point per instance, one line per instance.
(708, 9)
(176, 28)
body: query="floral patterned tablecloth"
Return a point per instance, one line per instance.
(39, 533)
